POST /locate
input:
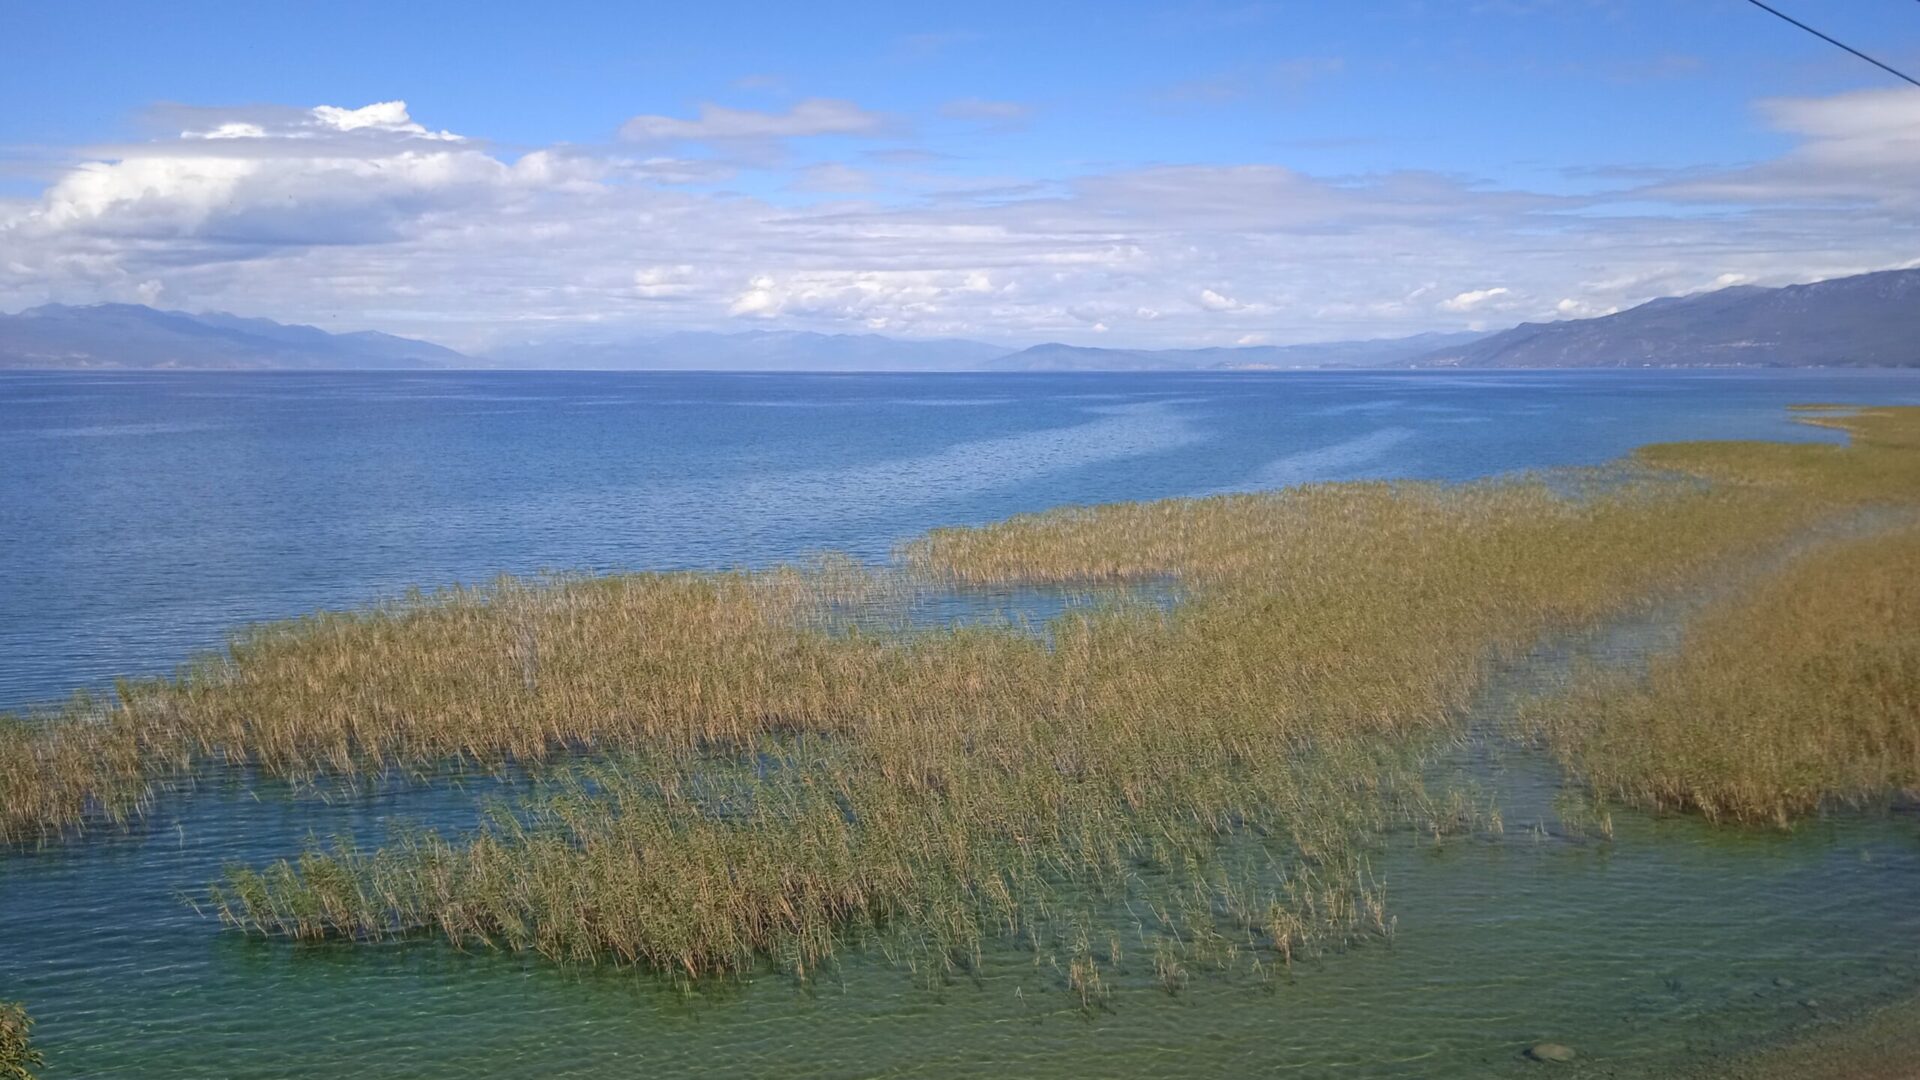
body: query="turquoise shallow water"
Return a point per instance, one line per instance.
(144, 515)
(1672, 943)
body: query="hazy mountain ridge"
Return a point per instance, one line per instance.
(135, 337)
(1381, 352)
(754, 350)
(1867, 320)
(788, 350)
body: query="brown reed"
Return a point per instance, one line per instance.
(778, 781)
(1803, 691)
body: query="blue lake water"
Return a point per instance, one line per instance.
(142, 516)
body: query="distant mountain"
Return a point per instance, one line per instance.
(1869, 320)
(131, 336)
(755, 350)
(1382, 352)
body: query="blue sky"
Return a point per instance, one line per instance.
(1105, 173)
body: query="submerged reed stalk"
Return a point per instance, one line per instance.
(702, 864)
(18, 1058)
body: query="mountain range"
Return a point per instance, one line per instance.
(1383, 352)
(134, 336)
(754, 350)
(1868, 320)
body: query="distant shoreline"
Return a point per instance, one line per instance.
(1023, 373)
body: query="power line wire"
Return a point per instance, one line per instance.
(1897, 73)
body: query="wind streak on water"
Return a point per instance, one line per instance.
(1343, 460)
(1120, 432)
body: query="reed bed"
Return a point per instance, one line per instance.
(699, 865)
(776, 781)
(1802, 692)
(18, 1058)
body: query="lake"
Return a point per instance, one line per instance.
(144, 515)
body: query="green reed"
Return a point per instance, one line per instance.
(18, 1058)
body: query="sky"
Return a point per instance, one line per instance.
(1121, 174)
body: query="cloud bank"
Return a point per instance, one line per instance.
(369, 216)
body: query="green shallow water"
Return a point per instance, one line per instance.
(1672, 944)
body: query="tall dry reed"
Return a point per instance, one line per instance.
(779, 779)
(1803, 691)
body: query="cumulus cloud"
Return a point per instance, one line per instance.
(1213, 301)
(876, 299)
(324, 175)
(364, 215)
(381, 117)
(1475, 299)
(1573, 307)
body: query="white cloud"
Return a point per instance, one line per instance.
(1861, 147)
(814, 116)
(232, 129)
(367, 216)
(1214, 301)
(1475, 299)
(664, 282)
(380, 116)
(1875, 126)
(878, 298)
(325, 175)
(1576, 308)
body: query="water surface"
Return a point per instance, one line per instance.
(141, 516)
